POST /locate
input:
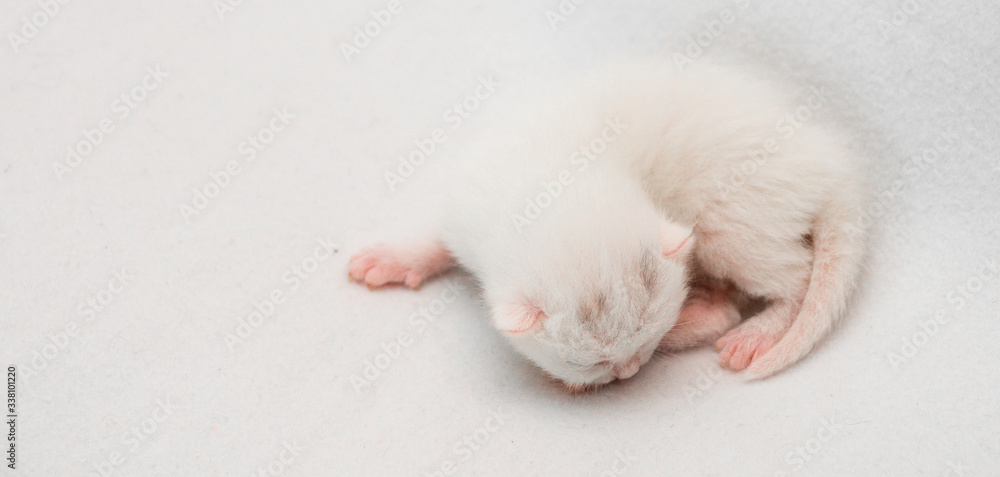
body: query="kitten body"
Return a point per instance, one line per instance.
(635, 208)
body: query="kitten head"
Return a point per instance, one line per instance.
(601, 317)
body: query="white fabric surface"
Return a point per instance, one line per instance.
(148, 386)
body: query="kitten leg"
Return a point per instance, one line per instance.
(756, 336)
(385, 264)
(708, 313)
(772, 264)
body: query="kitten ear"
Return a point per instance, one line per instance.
(517, 316)
(676, 241)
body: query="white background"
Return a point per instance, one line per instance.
(158, 350)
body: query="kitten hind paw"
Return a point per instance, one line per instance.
(745, 343)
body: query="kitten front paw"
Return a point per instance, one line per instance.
(701, 322)
(384, 265)
(707, 314)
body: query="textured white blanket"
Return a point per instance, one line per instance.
(182, 182)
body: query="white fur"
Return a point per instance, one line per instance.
(588, 247)
(671, 169)
(694, 131)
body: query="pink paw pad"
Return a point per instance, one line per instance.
(704, 314)
(738, 348)
(703, 318)
(382, 265)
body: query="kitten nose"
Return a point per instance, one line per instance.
(627, 370)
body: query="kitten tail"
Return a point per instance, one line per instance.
(839, 246)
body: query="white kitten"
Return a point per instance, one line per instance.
(586, 218)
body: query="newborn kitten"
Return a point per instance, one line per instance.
(642, 200)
